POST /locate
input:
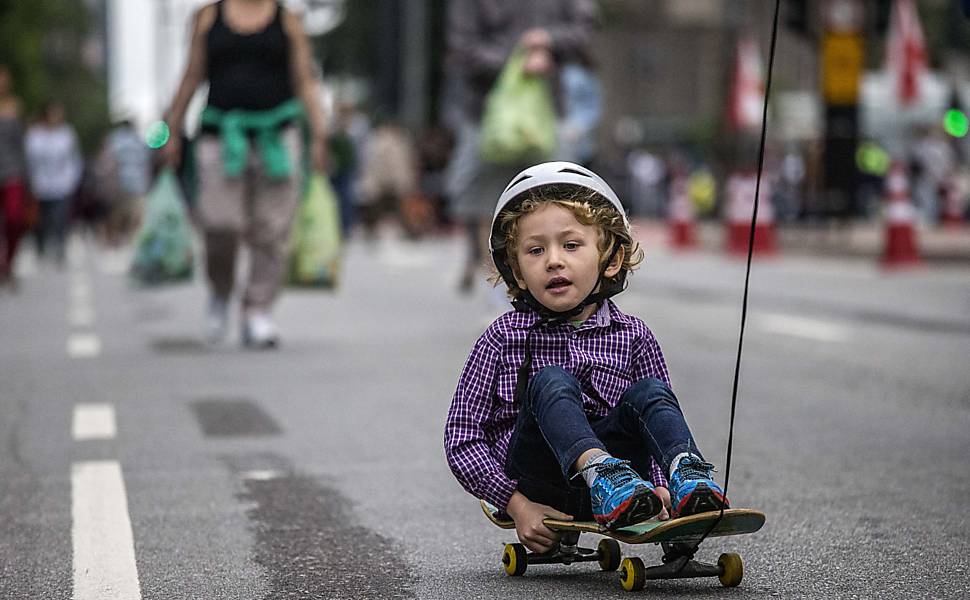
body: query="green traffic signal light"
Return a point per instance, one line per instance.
(955, 122)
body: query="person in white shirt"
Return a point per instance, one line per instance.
(54, 164)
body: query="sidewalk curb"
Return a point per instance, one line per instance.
(856, 240)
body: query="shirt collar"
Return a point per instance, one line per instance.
(603, 317)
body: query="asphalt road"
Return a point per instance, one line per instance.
(134, 458)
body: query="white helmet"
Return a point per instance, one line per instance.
(558, 173)
(551, 174)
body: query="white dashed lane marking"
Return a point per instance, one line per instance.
(94, 422)
(104, 551)
(83, 345)
(80, 316)
(80, 292)
(801, 327)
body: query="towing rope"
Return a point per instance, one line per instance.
(747, 277)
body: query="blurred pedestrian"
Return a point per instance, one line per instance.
(346, 144)
(262, 88)
(434, 151)
(788, 198)
(482, 34)
(55, 165)
(648, 183)
(582, 103)
(13, 168)
(89, 208)
(123, 168)
(388, 174)
(932, 160)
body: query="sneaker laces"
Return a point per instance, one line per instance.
(617, 472)
(694, 468)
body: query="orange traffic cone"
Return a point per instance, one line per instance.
(740, 191)
(901, 247)
(683, 235)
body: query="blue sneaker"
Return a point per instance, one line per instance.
(620, 497)
(692, 488)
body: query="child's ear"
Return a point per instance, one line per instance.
(616, 264)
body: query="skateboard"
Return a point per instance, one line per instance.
(677, 537)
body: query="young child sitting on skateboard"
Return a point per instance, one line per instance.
(566, 389)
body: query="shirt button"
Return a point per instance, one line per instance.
(575, 336)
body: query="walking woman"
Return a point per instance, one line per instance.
(262, 91)
(13, 200)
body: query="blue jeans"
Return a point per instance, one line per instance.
(553, 430)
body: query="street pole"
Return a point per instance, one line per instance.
(414, 83)
(841, 64)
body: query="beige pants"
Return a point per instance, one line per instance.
(252, 208)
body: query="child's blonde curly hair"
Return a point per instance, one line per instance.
(589, 208)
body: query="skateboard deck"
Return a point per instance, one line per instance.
(678, 537)
(736, 521)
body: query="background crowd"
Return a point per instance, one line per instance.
(432, 179)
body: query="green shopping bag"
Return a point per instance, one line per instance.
(163, 246)
(519, 120)
(315, 241)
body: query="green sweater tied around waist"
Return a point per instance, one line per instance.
(234, 127)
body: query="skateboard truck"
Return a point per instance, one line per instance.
(678, 563)
(516, 558)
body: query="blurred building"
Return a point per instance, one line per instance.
(667, 68)
(147, 48)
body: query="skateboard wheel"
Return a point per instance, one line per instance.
(633, 575)
(609, 553)
(732, 569)
(515, 559)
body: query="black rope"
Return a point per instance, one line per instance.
(747, 277)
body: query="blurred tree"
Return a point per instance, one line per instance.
(44, 45)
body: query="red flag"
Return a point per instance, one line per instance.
(747, 87)
(906, 51)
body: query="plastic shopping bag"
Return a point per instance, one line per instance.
(519, 120)
(315, 241)
(163, 246)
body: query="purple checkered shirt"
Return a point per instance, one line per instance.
(608, 353)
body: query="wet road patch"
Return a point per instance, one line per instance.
(233, 417)
(309, 542)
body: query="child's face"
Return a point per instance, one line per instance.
(558, 257)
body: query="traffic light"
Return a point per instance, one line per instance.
(955, 121)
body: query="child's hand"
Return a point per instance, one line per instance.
(528, 518)
(664, 494)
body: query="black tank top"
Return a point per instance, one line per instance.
(248, 71)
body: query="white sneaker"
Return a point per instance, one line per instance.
(217, 321)
(259, 331)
